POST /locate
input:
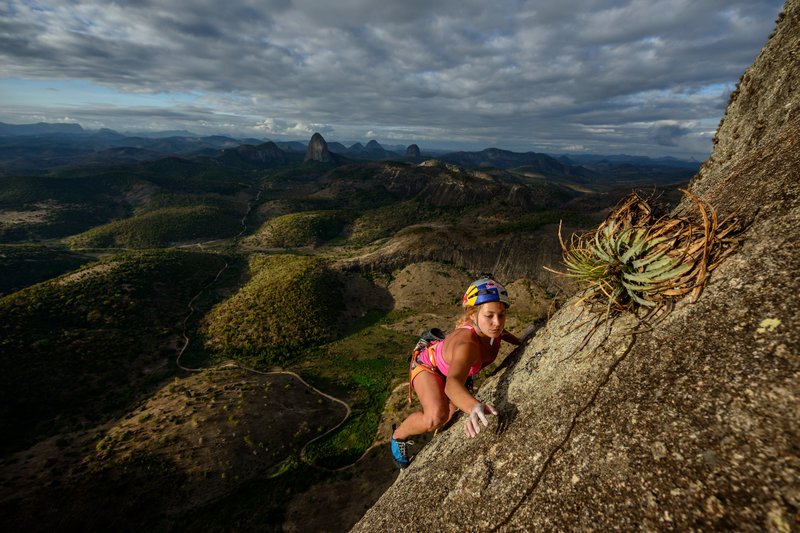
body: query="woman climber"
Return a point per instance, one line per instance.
(441, 371)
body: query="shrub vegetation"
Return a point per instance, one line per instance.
(161, 227)
(22, 265)
(301, 229)
(635, 259)
(290, 303)
(76, 349)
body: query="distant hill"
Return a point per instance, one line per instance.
(495, 157)
(373, 151)
(37, 148)
(596, 159)
(292, 146)
(50, 149)
(160, 134)
(590, 171)
(265, 154)
(40, 128)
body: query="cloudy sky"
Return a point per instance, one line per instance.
(648, 77)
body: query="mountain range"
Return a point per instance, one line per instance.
(41, 148)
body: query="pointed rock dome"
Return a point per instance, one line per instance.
(412, 151)
(318, 150)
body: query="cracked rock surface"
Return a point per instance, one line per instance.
(693, 424)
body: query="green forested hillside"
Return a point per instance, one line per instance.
(36, 207)
(385, 221)
(74, 200)
(300, 229)
(289, 303)
(161, 227)
(75, 349)
(22, 265)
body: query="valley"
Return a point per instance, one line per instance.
(219, 340)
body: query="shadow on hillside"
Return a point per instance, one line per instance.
(364, 303)
(120, 497)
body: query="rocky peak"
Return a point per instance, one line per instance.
(413, 151)
(318, 150)
(375, 150)
(688, 423)
(356, 148)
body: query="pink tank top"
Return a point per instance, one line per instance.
(444, 367)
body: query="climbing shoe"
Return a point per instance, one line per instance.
(400, 451)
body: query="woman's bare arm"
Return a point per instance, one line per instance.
(464, 355)
(510, 337)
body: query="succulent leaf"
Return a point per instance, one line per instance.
(653, 258)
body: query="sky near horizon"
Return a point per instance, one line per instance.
(573, 76)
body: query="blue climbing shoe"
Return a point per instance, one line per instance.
(400, 451)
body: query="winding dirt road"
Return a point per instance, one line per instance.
(233, 364)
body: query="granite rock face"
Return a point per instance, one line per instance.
(691, 424)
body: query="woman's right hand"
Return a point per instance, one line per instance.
(472, 426)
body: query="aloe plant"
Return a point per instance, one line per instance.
(634, 260)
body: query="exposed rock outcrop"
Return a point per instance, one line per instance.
(318, 150)
(413, 151)
(691, 424)
(508, 258)
(518, 254)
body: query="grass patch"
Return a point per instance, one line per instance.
(364, 365)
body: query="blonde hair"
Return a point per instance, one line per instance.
(465, 317)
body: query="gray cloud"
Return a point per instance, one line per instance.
(669, 134)
(604, 75)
